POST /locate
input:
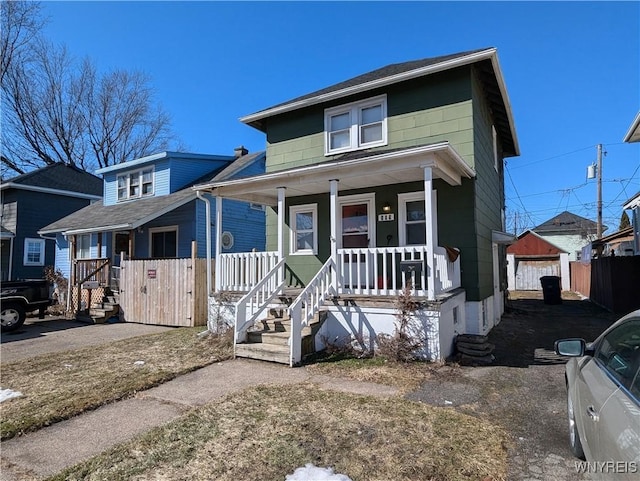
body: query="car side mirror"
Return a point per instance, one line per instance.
(570, 347)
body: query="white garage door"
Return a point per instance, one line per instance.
(529, 272)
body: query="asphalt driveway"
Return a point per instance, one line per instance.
(54, 334)
(524, 390)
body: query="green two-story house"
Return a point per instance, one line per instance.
(389, 178)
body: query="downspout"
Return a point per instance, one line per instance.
(207, 204)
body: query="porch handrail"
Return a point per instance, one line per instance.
(309, 300)
(249, 307)
(94, 266)
(241, 271)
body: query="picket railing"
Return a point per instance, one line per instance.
(249, 307)
(241, 271)
(307, 304)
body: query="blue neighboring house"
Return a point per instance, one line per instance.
(150, 211)
(30, 201)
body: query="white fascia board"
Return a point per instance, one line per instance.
(505, 99)
(91, 230)
(317, 169)
(363, 87)
(633, 134)
(167, 154)
(133, 163)
(46, 190)
(633, 202)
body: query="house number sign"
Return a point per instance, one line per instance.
(385, 217)
(151, 273)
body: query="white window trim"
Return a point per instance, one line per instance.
(41, 244)
(155, 230)
(402, 214)
(354, 109)
(78, 246)
(127, 175)
(369, 199)
(293, 244)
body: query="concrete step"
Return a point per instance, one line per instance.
(264, 352)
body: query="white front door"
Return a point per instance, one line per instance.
(356, 231)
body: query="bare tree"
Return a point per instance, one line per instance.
(55, 109)
(20, 23)
(119, 116)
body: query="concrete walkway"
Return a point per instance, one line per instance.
(48, 451)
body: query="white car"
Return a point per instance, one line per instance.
(603, 399)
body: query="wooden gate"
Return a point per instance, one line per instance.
(167, 292)
(529, 272)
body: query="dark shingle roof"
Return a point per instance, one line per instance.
(98, 217)
(61, 176)
(568, 223)
(488, 74)
(380, 73)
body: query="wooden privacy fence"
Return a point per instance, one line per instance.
(580, 277)
(167, 292)
(615, 283)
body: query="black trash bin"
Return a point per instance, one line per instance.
(551, 291)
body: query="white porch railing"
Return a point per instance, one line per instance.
(307, 304)
(447, 272)
(241, 271)
(249, 307)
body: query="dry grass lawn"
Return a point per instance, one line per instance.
(265, 433)
(59, 386)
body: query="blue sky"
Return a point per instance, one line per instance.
(572, 70)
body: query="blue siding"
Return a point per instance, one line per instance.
(186, 171)
(183, 217)
(62, 256)
(246, 224)
(160, 180)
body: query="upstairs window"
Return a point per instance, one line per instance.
(358, 125)
(135, 184)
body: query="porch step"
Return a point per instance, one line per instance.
(264, 352)
(268, 337)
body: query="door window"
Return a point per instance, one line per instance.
(355, 225)
(412, 219)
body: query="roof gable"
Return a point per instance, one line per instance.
(568, 223)
(61, 177)
(489, 73)
(531, 244)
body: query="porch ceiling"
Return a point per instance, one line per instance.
(370, 170)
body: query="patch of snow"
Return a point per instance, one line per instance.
(6, 394)
(313, 473)
(138, 363)
(448, 402)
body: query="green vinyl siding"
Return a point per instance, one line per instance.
(489, 195)
(448, 106)
(421, 111)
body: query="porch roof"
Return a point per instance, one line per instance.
(357, 170)
(98, 217)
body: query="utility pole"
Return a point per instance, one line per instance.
(599, 231)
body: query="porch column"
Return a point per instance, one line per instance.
(281, 191)
(218, 264)
(429, 237)
(333, 235)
